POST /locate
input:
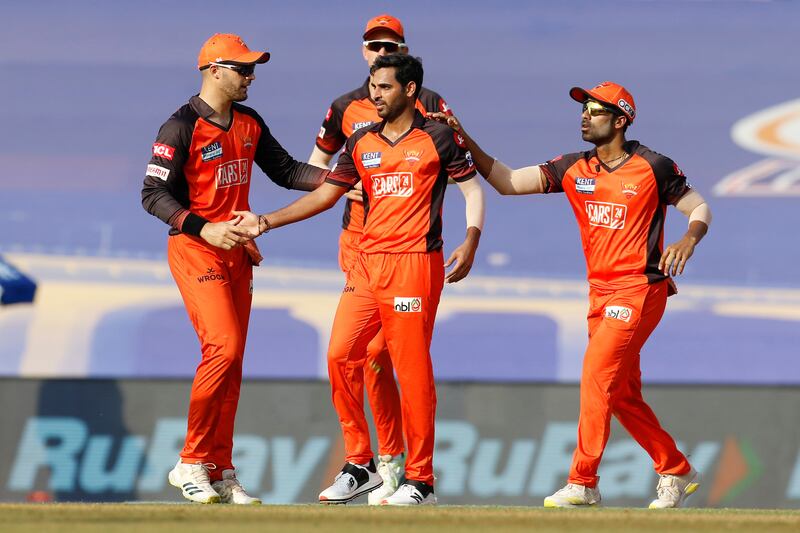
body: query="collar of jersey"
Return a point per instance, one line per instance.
(417, 123)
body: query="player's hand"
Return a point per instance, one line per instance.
(225, 235)
(356, 193)
(249, 223)
(463, 257)
(675, 256)
(444, 118)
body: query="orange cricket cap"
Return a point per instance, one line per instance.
(228, 48)
(384, 22)
(609, 93)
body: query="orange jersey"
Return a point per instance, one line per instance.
(200, 172)
(351, 112)
(404, 183)
(620, 211)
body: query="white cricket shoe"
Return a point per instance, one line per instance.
(573, 496)
(412, 493)
(231, 491)
(193, 481)
(353, 481)
(391, 470)
(672, 490)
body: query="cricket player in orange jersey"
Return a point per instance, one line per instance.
(619, 192)
(383, 35)
(404, 162)
(198, 175)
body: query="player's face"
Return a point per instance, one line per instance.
(599, 125)
(374, 50)
(233, 83)
(391, 98)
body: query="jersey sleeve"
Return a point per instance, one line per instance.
(453, 153)
(165, 191)
(282, 168)
(330, 138)
(555, 170)
(433, 102)
(672, 183)
(345, 174)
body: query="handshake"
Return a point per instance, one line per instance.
(238, 231)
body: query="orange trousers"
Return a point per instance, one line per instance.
(216, 286)
(400, 294)
(619, 324)
(382, 394)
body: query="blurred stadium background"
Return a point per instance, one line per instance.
(96, 370)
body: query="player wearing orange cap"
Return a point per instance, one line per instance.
(404, 162)
(619, 192)
(198, 175)
(383, 35)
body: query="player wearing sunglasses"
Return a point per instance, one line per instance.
(350, 112)
(199, 173)
(619, 192)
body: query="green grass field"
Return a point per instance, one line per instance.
(300, 518)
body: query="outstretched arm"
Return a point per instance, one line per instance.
(315, 202)
(464, 255)
(526, 180)
(693, 205)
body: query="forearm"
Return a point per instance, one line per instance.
(483, 161)
(307, 206)
(694, 206)
(508, 181)
(475, 205)
(320, 159)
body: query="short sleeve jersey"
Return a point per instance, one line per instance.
(200, 171)
(404, 183)
(351, 112)
(620, 211)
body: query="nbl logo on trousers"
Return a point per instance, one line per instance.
(411, 304)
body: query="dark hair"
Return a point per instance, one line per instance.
(407, 68)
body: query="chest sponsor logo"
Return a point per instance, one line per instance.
(358, 125)
(163, 150)
(393, 184)
(629, 189)
(232, 173)
(413, 156)
(158, 172)
(606, 214)
(371, 159)
(211, 152)
(618, 312)
(584, 185)
(407, 304)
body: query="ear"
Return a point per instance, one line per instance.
(619, 122)
(411, 88)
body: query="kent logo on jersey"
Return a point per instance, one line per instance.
(371, 159)
(584, 185)
(211, 152)
(358, 125)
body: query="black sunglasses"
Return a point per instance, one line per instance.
(390, 46)
(242, 70)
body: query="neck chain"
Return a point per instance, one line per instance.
(612, 160)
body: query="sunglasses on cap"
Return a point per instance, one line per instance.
(596, 109)
(242, 70)
(390, 46)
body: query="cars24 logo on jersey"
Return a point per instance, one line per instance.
(232, 173)
(606, 214)
(393, 184)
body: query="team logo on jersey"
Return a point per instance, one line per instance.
(413, 156)
(618, 312)
(247, 142)
(584, 185)
(163, 150)
(606, 214)
(371, 159)
(233, 173)
(407, 304)
(400, 184)
(358, 125)
(157, 172)
(211, 152)
(629, 189)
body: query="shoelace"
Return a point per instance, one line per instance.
(200, 475)
(667, 487)
(344, 481)
(568, 488)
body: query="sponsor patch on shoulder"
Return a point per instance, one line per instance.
(358, 125)
(459, 139)
(584, 185)
(371, 159)
(163, 150)
(157, 172)
(407, 304)
(618, 312)
(211, 152)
